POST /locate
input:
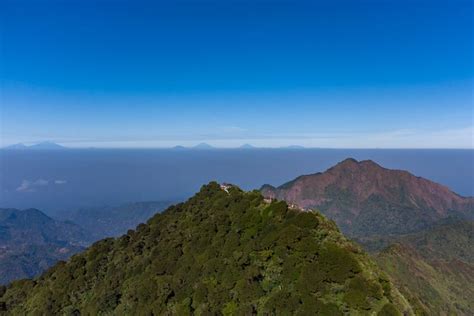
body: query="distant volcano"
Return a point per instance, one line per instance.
(203, 146)
(366, 199)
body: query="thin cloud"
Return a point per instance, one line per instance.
(60, 181)
(30, 186)
(24, 186)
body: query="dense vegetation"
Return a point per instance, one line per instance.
(427, 228)
(434, 269)
(218, 253)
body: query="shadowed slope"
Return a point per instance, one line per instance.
(434, 269)
(31, 242)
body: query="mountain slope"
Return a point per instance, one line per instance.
(434, 269)
(222, 252)
(102, 222)
(31, 242)
(366, 199)
(453, 239)
(247, 146)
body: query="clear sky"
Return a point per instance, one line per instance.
(379, 73)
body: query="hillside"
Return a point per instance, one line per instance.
(113, 221)
(31, 242)
(432, 287)
(225, 253)
(434, 269)
(448, 240)
(366, 199)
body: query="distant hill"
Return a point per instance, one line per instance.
(366, 199)
(203, 146)
(43, 145)
(223, 252)
(109, 221)
(46, 145)
(434, 269)
(178, 147)
(31, 242)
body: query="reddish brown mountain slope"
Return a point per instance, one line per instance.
(366, 199)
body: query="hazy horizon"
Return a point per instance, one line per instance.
(64, 180)
(212, 145)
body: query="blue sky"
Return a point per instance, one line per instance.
(396, 74)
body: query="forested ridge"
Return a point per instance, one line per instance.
(227, 253)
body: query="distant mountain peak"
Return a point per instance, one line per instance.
(46, 145)
(41, 145)
(365, 198)
(355, 164)
(347, 162)
(179, 147)
(267, 186)
(203, 146)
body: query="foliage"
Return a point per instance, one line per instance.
(218, 253)
(434, 269)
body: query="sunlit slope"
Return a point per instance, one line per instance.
(220, 252)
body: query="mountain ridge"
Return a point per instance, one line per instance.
(224, 251)
(355, 193)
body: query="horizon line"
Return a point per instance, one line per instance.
(194, 148)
